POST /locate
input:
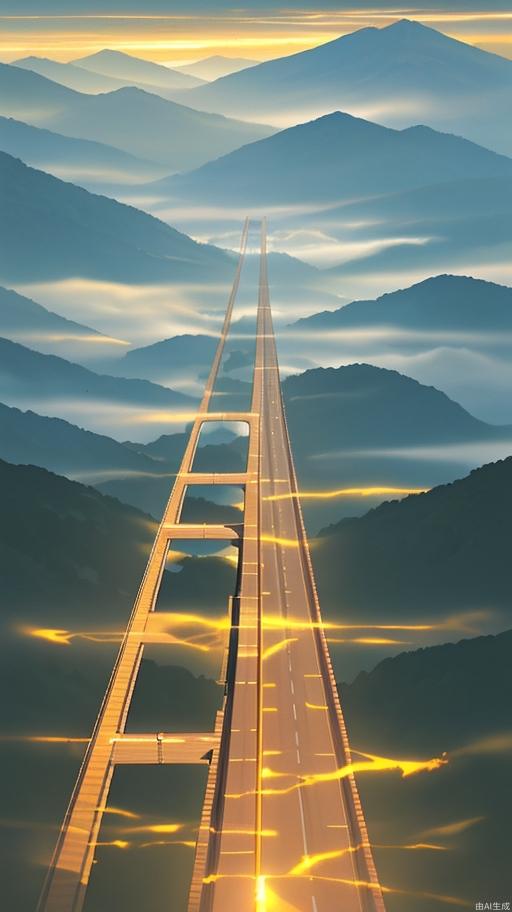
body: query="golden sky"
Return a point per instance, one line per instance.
(181, 38)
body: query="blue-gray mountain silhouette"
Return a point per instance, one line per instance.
(334, 158)
(131, 119)
(403, 73)
(81, 160)
(69, 75)
(136, 71)
(51, 229)
(449, 302)
(20, 316)
(27, 373)
(57, 445)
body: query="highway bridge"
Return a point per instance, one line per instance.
(281, 830)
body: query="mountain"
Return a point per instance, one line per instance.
(29, 375)
(153, 128)
(453, 331)
(66, 550)
(80, 160)
(69, 75)
(136, 71)
(441, 226)
(356, 426)
(165, 359)
(131, 119)
(360, 406)
(150, 493)
(26, 95)
(22, 319)
(363, 427)
(431, 555)
(51, 229)
(216, 66)
(61, 447)
(400, 74)
(337, 157)
(453, 698)
(445, 302)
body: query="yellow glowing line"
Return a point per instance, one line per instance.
(45, 739)
(119, 812)
(261, 894)
(116, 843)
(453, 829)
(368, 641)
(164, 842)
(242, 832)
(375, 491)
(276, 647)
(316, 706)
(372, 764)
(353, 882)
(158, 828)
(283, 542)
(310, 861)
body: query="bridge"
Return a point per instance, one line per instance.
(281, 829)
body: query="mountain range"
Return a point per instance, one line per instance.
(57, 445)
(453, 331)
(88, 163)
(52, 382)
(163, 360)
(62, 543)
(398, 75)
(350, 427)
(133, 70)
(108, 71)
(216, 66)
(436, 554)
(360, 406)
(447, 302)
(453, 698)
(136, 121)
(337, 157)
(23, 320)
(51, 229)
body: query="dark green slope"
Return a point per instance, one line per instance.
(425, 556)
(453, 698)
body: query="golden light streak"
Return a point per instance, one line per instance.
(44, 739)
(276, 647)
(493, 744)
(173, 38)
(116, 843)
(310, 861)
(64, 637)
(371, 765)
(353, 882)
(119, 812)
(368, 641)
(77, 337)
(375, 491)
(242, 832)
(261, 894)
(283, 542)
(158, 828)
(316, 706)
(453, 829)
(189, 843)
